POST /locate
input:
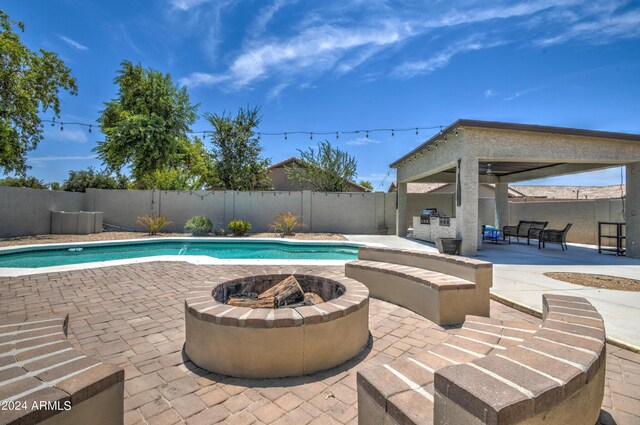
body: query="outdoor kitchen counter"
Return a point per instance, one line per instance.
(440, 227)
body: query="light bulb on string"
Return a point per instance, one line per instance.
(61, 126)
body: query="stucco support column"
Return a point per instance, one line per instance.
(401, 210)
(467, 211)
(502, 205)
(229, 200)
(306, 211)
(632, 210)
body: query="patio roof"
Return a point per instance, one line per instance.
(518, 127)
(470, 152)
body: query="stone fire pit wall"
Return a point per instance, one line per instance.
(272, 343)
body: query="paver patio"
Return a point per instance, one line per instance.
(133, 316)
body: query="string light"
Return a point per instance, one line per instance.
(286, 134)
(383, 180)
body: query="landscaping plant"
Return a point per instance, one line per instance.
(154, 223)
(239, 227)
(198, 226)
(285, 223)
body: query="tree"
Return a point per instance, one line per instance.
(367, 184)
(196, 171)
(81, 180)
(146, 125)
(24, 181)
(236, 152)
(327, 169)
(29, 84)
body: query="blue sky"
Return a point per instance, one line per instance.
(346, 65)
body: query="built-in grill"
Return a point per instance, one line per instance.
(426, 214)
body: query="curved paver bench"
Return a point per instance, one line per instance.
(442, 288)
(44, 379)
(493, 372)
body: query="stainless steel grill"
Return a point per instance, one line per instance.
(426, 214)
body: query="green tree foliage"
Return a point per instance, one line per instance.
(326, 169)
(30, 83)
(146, 125)
(195, 171)
(81, 180)
(367, 184)
(236, 152)
(24, 181)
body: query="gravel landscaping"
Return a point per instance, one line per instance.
(112, 236)
(597, 281)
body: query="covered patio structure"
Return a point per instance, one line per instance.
(469, 153)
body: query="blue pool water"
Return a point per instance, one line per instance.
(75, 254)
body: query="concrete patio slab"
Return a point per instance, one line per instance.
(518, 276)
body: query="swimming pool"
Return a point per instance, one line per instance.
(59, 255)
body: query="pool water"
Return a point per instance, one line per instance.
(76, 254)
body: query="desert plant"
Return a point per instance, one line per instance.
(239, 227)
(154, 223)
(285, 223)
(198, 225)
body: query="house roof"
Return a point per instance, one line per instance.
(284, 162)
(534, 191)
(571, 192)
(294, 159)
(519, 127)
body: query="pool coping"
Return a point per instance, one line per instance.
(191, 259)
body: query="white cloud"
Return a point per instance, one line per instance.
(441, 59)
(275, 91)
(73, 43)
(266, 14)
(60, 158)
(187, 4)
(197, 79)
(601, 30)
(315, 49)
(326, 38)
(361, 141)
(68, 135)
(489, 93)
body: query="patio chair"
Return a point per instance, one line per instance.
(524, 229)
(555, 236)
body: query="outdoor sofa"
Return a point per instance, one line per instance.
(524, 229)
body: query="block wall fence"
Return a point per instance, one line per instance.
(26, 211)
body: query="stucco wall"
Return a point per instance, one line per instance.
(26, 211)
(583, 214)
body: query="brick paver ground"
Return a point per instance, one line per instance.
(133, 316)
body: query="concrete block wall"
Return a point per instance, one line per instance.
(584, 214)
(28, 211)
(25, 211)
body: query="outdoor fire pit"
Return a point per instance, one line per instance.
(303, 335)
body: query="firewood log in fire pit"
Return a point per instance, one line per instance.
(311, 298)
(287, 292)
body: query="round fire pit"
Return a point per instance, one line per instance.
(269, 342)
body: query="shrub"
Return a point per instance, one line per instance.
(239, 227)
(198, 225)
(285, 223)
(154, 223)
